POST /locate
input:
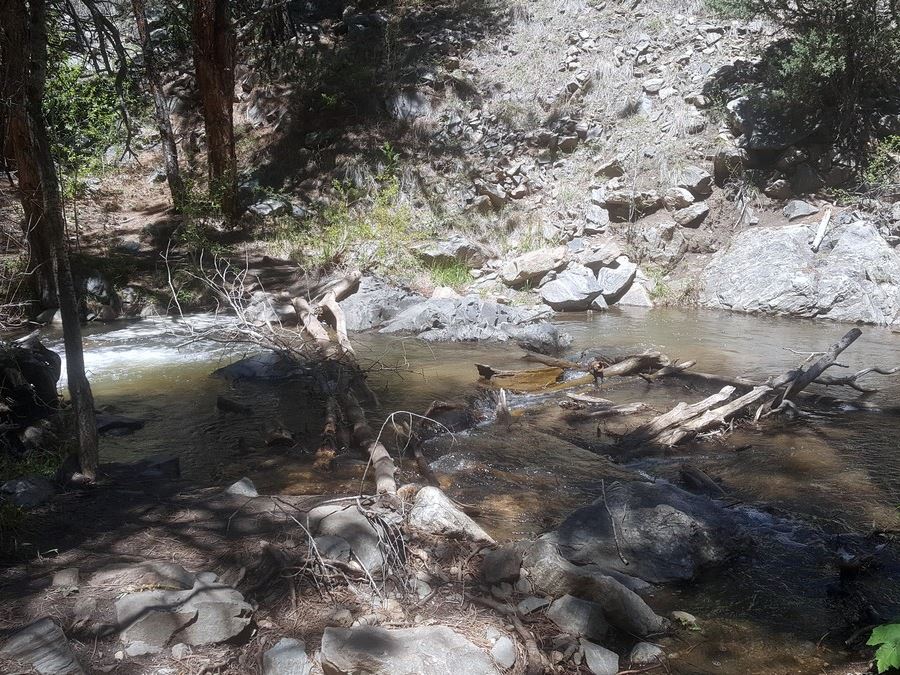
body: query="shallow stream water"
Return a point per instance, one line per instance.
(776, 610)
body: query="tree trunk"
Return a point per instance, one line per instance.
(161, 109)
(13, 62)
(214, 68)
(30, 22)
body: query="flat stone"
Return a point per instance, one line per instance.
(433, 512)
(797, 208)
(599, 255)
(573, 289)
(532, 604)
(242, 488)
(436, 650)
(66, 577)
(44, 647)
(600, 660)
(287, 657)
(578, 617)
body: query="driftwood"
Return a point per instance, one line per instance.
(680, 414)
(363, 437)
(609, 411)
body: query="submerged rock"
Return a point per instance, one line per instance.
(665, 533)
(436, 650)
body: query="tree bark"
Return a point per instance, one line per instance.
(160, 106)
(214, 68)
(13, 61)
(30, 22)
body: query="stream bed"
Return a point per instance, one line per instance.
(800, 486)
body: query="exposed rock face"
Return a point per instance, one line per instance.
(855, 276)
(665, 533)
(573, 289)
(44, 647)
(436, 650)
(532, 266)
(433, 512)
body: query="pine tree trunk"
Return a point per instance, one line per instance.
(29, 21)
(214, 68)
(14, 66)
(161, 109)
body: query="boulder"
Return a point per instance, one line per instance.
(532, 266)
(600, 660)
(855, 276)
(778, 189)
(573, 289)
(502, 564)
(532, 604)
(375, 303)
(616, 279)
(43, 646)
(612, 168)
(434, 513)
(695, 180)
(597, 219)
(663, 244)
(671, 534)
(504, 652)
(766, 125)
(595, 256)
(347, 522)
(287, 657)
(457, 249)
(636, 296)
(28, 492)
(677, 198)
(625, 204)
(797, 208)
(436, 650)
(692, 216)
(266, 307)
(728, 165)
(578, 617)
(205, 614)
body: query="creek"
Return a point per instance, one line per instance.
(800, 485)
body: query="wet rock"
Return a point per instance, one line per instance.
(433, 512)
(504, 653)
(532, 266)
(672, 534)
(616, 279)
(855, 276)
(573, 289)
(266, 308)
(242, 488)
(375, 303)
(797, 208)
(600, 660)
(287, 657)
(43, 646)
(435, 650)
(117, 425)
(28, 492)
(502, 564)
(696, 180)
(543, 338)
(264, 366)
(455, 249)
(692, 216)
(685, 620)
(227, 405)
(350, 524)
(578, 617)
(646, 654)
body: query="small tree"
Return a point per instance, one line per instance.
(845, 56)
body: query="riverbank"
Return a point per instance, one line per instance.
(803, 489)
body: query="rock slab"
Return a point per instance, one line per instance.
(44, 647)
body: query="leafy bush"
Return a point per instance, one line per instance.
(454, 275)
(883, 169)
(887, 639)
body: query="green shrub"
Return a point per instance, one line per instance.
(883, 168)
(887, 638)
(454, 274)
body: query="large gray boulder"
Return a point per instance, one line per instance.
(434, 513)
(855, 276)
(581, 618)
(375, 303)
(436, 650)
(43, 646)
(455, 249)
(531, 267)
(573, 289)
(665, 533)
(663, 244)
(287, 657)
(616, 279)
(346, 521)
